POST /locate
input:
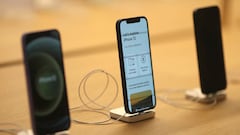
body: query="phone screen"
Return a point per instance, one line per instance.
(136, 65)
(209, 49)
(46, 82)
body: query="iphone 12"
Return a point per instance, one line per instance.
(46, 84)
(209, 46)
(136, 64)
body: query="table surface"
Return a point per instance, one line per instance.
(174, 64)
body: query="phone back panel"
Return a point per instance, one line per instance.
(46, 82)
(209, 49)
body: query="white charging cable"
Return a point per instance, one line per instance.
(86, 100)
(12, 129)
(168, 94)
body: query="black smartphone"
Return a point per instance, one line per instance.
(136, 64)
(44, 68)
(207, 25)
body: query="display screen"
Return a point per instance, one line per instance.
(46, 82)
(137, 64)
(209, 49)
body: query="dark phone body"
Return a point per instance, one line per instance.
(122, 67)
(209, 49)
(46, 82)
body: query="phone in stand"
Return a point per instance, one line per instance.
(46, 84)
(208, 38)
(136, 64)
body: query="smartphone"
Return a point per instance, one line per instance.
(46, 84)
(136, 64)
(207, 26)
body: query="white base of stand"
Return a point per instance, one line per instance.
(25, 132)
(30, 132)
(126, 117)
(197, 95)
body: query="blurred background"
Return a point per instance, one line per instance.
(88, 34)
(87, 26)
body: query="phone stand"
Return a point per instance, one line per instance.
(197, 95)
(30, 132)
(25, 132)
(120, 114)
